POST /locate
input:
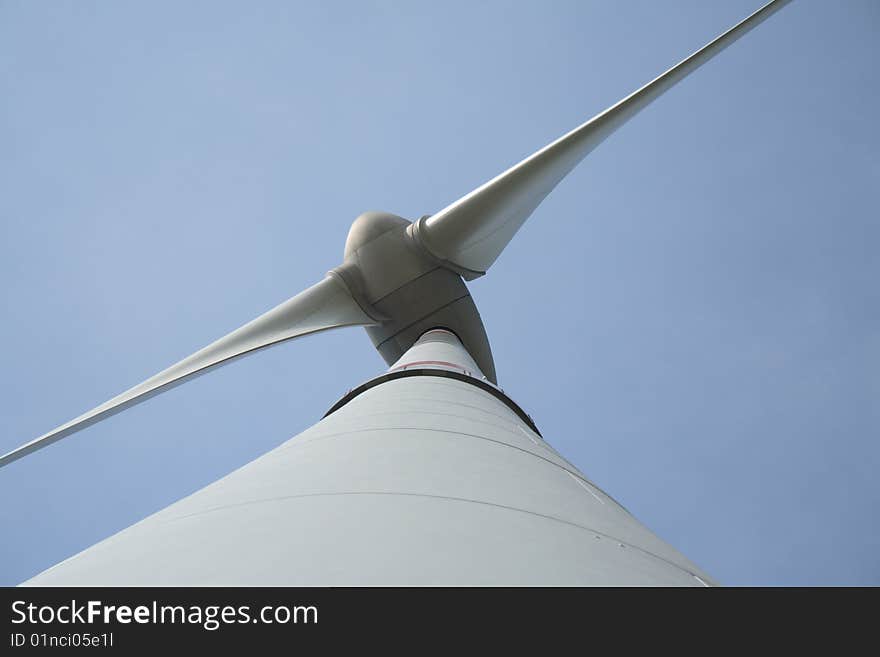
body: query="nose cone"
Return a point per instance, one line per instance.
(368, 227)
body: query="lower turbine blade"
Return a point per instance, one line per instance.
(323, 306)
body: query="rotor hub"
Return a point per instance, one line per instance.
(406, 290)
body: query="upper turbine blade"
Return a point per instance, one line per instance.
(471, 233)
(323, 306)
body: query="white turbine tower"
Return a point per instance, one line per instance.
(426, 474)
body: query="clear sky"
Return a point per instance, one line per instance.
(692, 317)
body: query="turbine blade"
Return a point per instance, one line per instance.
(323, 306)
(469, 235)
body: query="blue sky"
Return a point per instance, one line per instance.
(692, 317)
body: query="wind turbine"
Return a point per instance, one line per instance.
(428, 473)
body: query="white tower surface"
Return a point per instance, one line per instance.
(427, 474)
